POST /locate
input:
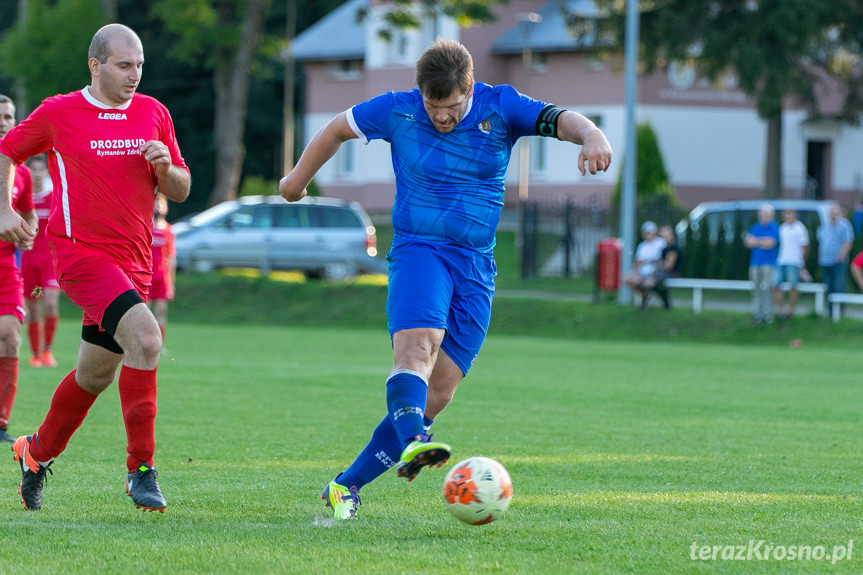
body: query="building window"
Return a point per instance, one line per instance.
(538, 156)
(397, 47)
(346, 69)
(346, 160)
(595, 63)
(538, 62)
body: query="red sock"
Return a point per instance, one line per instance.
(162, 329)
(50, 329)
(138, 401)
(8, 387)
(69, 407)
(33, 335)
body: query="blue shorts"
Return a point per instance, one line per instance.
(786, 273)
(443, 287)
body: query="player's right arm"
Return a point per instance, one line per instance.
(321, 148)
(13, 228)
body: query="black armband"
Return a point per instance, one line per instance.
(546, 123)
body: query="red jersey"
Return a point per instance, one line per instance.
(163, 250)
(104, 185)
(22, 202)
(42, 205)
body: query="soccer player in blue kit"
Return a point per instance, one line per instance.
(451, 140)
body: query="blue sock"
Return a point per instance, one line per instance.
(406, 403)
(427, 423)
(381, 453)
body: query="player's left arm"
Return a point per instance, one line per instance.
(173, 181)
(595, 154)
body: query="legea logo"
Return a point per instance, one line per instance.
(112, 116)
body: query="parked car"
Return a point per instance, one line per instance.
(708, 257)
(322, 237)
(743, 213)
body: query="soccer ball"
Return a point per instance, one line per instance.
(477, 490)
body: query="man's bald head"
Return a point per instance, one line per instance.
(108, 36)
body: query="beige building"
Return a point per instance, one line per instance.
(712, 140)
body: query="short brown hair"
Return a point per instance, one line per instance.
(444, 67)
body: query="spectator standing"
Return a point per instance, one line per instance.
(857, 218)
(763, 241)
(791, 257)
(835, 238)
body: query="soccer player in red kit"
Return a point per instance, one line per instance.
(164, 264)
(11, 295)
(108, 149)
(40, 282)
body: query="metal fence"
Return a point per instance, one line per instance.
(561, 238)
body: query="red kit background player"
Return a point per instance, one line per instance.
(40, 282)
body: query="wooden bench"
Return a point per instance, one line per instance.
(837, 299)
(698, 285)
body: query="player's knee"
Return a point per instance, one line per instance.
(10, 339)
(95, 377)
(423, 348)
(150, 343)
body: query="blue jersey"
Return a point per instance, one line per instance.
(449, 187)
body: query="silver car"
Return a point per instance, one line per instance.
(322, 237)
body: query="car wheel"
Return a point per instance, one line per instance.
(203, 266)
(339, 271)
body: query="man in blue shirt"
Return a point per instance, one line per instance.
(763, 239)
(835, 238)
(450, 141)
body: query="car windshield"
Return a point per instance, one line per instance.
(213, 214)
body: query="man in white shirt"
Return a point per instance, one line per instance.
(647, 255)
(793, 250)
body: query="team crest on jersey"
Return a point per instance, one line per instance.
(485, 126)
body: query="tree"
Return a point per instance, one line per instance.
(226, 34)
(651, 177)
(402, 14)
(776, 48)
(47, 50)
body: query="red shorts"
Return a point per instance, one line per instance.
(11, 297)
(38, 271)
(162, 287)
(92, 279)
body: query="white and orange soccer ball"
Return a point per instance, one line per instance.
(477, 490)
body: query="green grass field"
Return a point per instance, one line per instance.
(622, 454)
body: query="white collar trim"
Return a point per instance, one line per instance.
(467, 110)
(85, 91)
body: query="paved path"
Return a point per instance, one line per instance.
(803, 308)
